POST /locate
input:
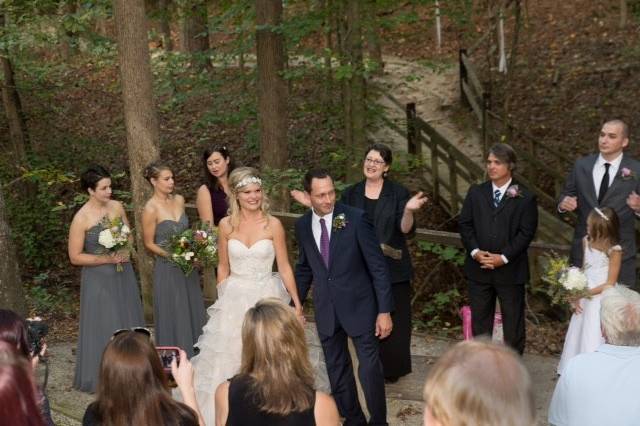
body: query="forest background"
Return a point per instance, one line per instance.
(283, 84)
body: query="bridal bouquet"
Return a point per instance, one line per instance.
(567, 282)
(194, 248)
(115, 238)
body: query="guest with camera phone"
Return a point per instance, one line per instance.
(27, 336)
(167, 354)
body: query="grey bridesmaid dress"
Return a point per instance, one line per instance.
(109, 301)
(178, 305)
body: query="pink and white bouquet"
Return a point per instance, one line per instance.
(194, 248)
(115, 238)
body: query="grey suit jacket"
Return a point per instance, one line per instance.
(580, 184)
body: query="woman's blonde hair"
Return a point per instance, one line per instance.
(238, 179)
(480, 383)
(275, 356)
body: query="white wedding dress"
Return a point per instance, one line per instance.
(251, 279)
(584, 334)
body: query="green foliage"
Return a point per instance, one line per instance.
(44, 299)
(450, 254)
(442, 304)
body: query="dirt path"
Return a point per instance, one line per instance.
(434, 89)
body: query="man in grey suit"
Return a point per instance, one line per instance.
(607, 179)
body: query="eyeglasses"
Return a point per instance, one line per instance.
(374, 161)
(141, 330)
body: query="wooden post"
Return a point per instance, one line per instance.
(462, 71)
(486, 106)
(453, 182)
(412, 143)
(433, 146)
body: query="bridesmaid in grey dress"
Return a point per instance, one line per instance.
(178, 306)
(109, 299)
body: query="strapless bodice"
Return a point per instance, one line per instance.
(91, 244)
(254, 261)
(167, 228)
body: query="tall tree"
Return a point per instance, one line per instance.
(165, 24)
(272, 88)
(194, 34)
(374, 48)
(141, 122)
(353, 83)
(11, 292)
(13, 107)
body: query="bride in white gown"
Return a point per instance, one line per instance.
(249, 240)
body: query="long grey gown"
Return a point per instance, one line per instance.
(109, 301)
(178, 305)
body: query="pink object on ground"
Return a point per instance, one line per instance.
(465, 314)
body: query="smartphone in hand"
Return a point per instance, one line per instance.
(166, 355)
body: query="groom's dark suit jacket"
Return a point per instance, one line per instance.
(580, 184)
(356, 286)
(507, 229)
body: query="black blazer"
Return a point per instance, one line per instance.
(356, 286)
(386, 221)
(507, 229)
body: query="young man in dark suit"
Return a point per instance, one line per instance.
(606, 179)
(497, 223)
(339, 252)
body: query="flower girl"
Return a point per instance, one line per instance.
(602, 260)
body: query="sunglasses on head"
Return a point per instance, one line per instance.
(141, 330)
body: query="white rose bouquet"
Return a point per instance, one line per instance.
(115, 238)
(194, 248)
(567, 283)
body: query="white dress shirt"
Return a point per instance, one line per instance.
(503, 190)
(599, 169)
(315, 226)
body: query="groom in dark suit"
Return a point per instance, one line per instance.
(497, 223)
(340, 254)
(606, 179)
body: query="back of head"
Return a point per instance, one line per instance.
(132, 387)
(620, 316)
(603, 226)
(275, 355)
(482, 384)
(13, 330)
(18, 397)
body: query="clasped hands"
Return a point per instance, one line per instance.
(488, 260)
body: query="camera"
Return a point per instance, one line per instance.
(37, 329)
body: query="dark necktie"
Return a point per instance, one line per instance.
(604, 183)
(496, 198)
(324, 243)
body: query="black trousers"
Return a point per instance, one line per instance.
(343, 384)
(395, 350)
(482, 297)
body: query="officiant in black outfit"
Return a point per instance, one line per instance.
(497, 223)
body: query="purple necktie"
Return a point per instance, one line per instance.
(324, 243)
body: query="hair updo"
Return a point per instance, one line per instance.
(89, 178)
(153, 170)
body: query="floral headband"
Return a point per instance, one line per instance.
(601, 214)
(248, 181)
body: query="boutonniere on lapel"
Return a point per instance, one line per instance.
(339, 222)
(514, 192)
(627, 174)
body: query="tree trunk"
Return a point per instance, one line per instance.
(165, 24)
(272, 90)
(623, 13)
(141, 122)
(354, 96)
(374, 48)
(11, 292)
(13, 109)
(68, 38)
(195, 35)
